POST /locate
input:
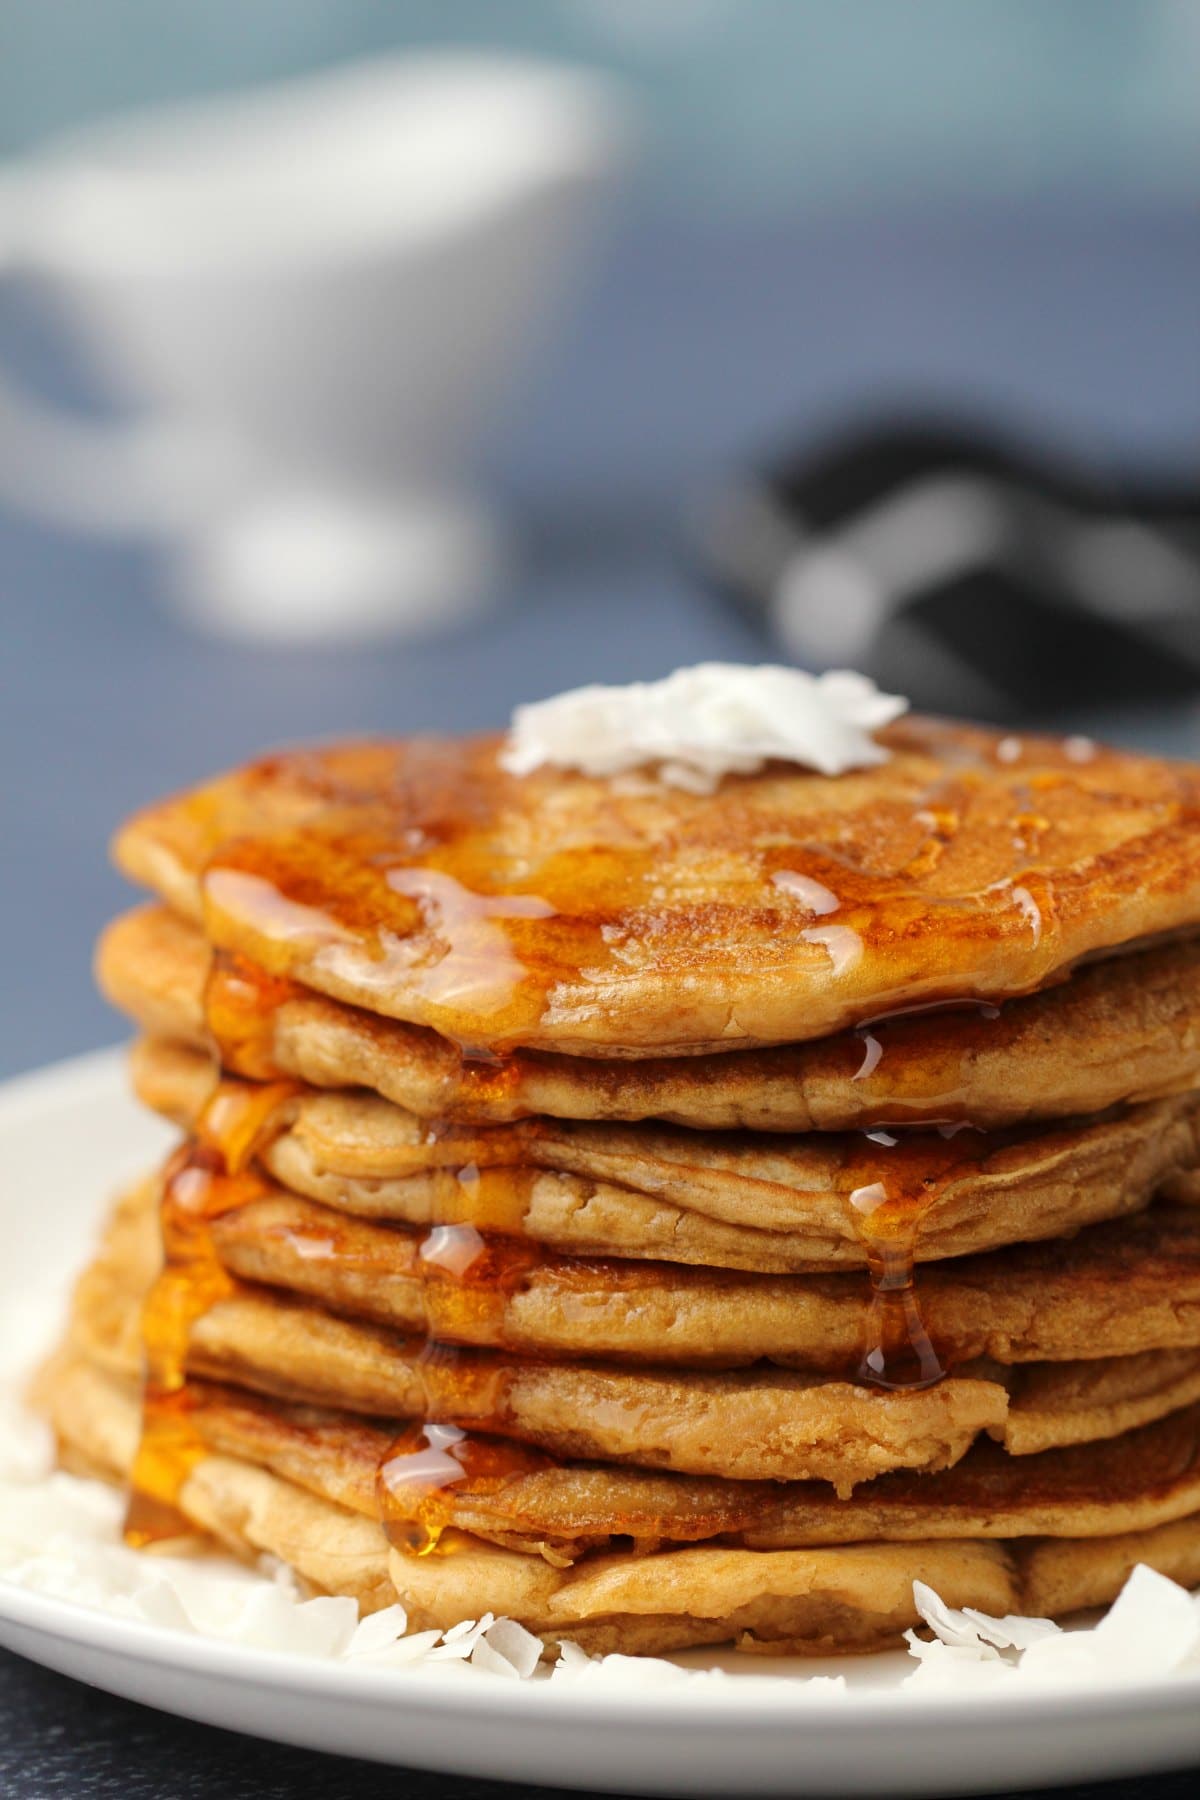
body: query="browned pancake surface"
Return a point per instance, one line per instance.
(1120, 1029)
(564, 913)
(1140, 1480)
(1115, 1289)
(722, 1200)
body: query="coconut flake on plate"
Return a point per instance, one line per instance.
(705, 722)
(378, 1631)
(506, 1648)
(1152, 1629)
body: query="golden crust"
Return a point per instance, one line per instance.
(1054, 1404)
(779, 1205)
(760, 1424)
(1121, 1288)
(302, 1352)
(828, 1598)
(1137, 1481)
(563, 913)
(1121, 1029)
(748, 1425)
(786, 1602)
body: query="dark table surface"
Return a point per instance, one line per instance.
(1074, 322)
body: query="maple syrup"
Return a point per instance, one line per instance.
(888, 1209)
(205, 1179)
(422, 1469)
(421, 881)
(929, 1087)
(240, 1005)
(465, 1271)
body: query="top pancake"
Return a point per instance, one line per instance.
(624, 917)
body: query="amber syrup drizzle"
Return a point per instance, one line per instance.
(240, 1004)
(888, 1210)
(899, 1352)
(466, 1273)
(205, 1179)
(426, 1465)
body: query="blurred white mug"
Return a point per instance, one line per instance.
(313, 295)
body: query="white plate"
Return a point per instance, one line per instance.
(67, 1138)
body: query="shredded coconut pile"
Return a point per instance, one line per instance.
(705, 722)
(60, 1535)
(1152, 1629)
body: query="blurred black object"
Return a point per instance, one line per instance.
(973, 575)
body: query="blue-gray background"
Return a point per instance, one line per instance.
(757, 105)
(843, 205)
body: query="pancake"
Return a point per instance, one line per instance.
(760, 1424)
(546, 1236)
(300, 1353)
(852, 1597)
(625, 917)
(565, 1510)
(816, 1601)
(718, 1200)
(1118, 1030)
(1071, 1403)
(1058, 1578)
(1115, 1289)
(848, 1596)
(1049, 1404)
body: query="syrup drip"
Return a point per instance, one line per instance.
(897, 1350)
(204, 1180)
(240, 1003)
(932, 1085)
(465, 1272)
(486, 1082)
(468, 1275)
(422, 1469)
(899, 1353)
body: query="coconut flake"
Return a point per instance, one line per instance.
(1151, 1630)
(508, 1649)
(412, 1649)
(841, 943)
(378, 1631)
(705, 722)
(949, 1625)
(1155, 1622)
(572, 1661)
(1012, 1632)
(459, 1642)
(954, 1668)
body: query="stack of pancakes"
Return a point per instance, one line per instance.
(664, 1218)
